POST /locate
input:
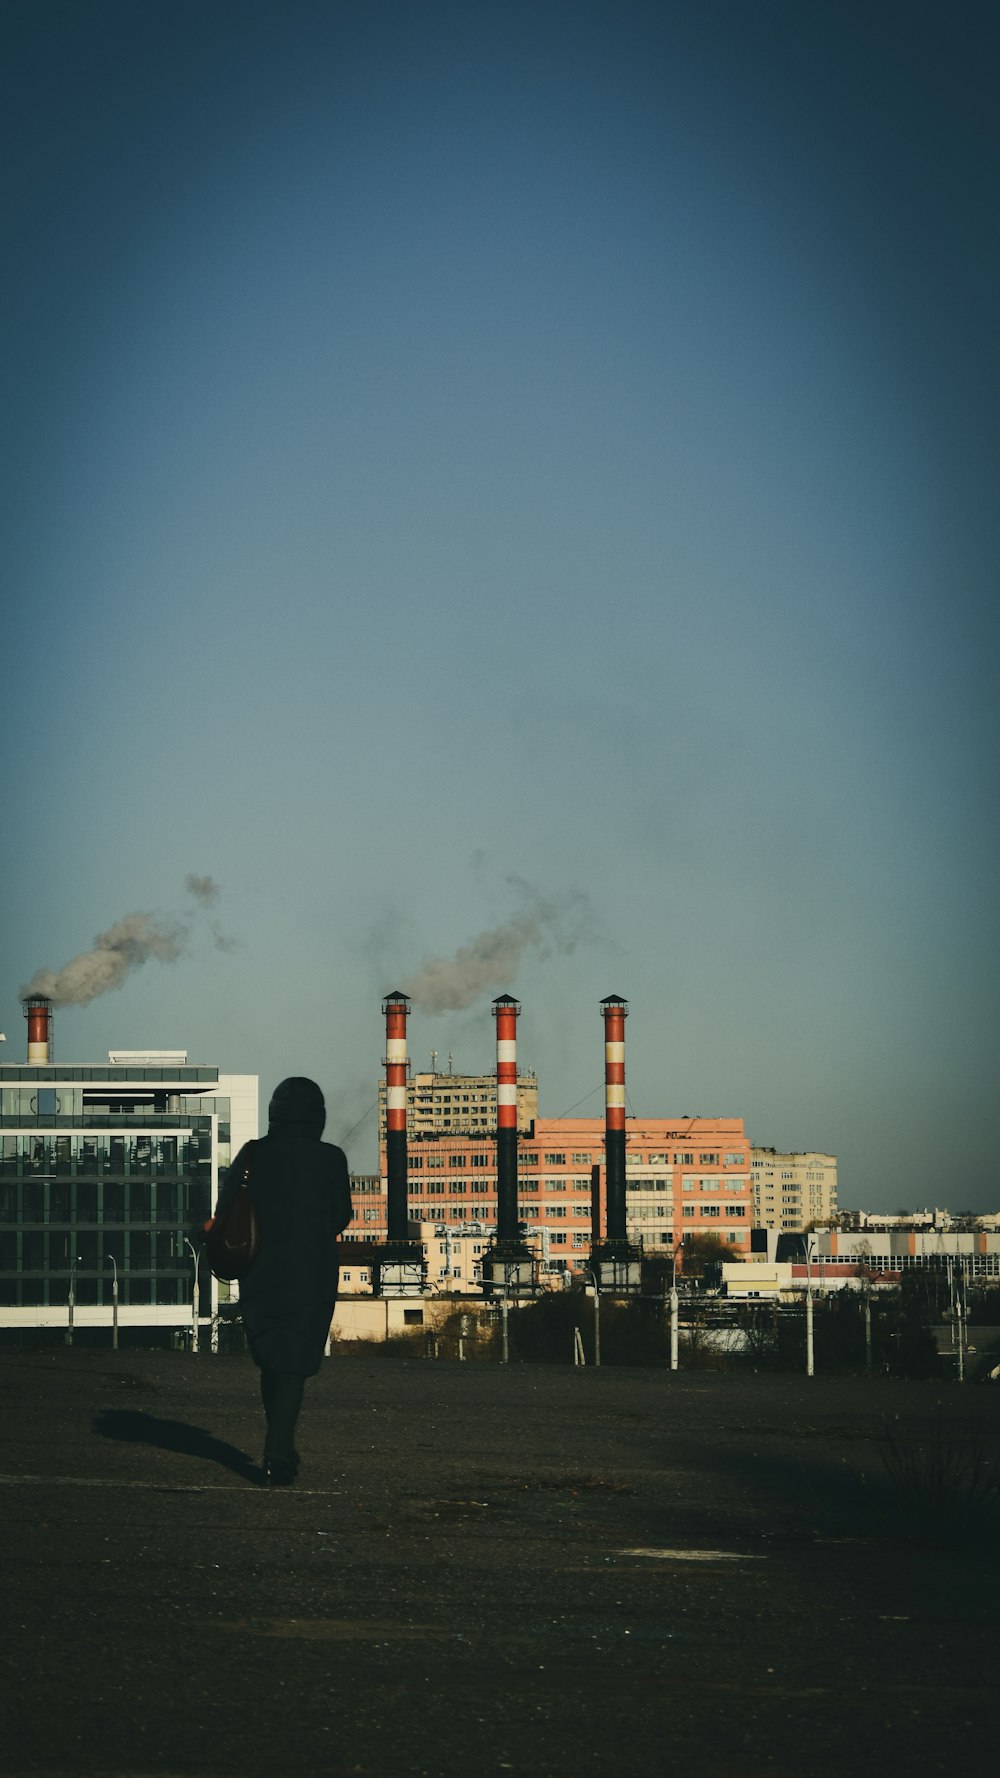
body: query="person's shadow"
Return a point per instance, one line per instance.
(136, 1428)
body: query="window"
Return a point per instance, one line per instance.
(688, 1210)
(710, 1210)
(580, 1160)
(556, 1210)
(370, 1215)
(456, 1160)
(529, 1160)
(555, 1185)
(736, 1160)
(529, 1209)
(579, 1238)
(555, 1160)
(558, 1238)
(708, 1160)
(435, 1188)
(683, 1160)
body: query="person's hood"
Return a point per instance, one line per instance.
(296, 1109)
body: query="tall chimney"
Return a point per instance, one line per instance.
(506, 1011)
(38, 1012)
(615, 1012)
(396, 1007)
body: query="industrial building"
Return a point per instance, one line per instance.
(686, 1176)
(550, 1196)
(106, 1170)
(836, 1259)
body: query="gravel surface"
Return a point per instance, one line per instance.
(490, 1570)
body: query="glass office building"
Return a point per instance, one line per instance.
(107, 1176)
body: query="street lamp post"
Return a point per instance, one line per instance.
(195, 1297)
(505, 1323)
(594, 1276)
(810, 1366)
(71, 1299)
(114, 1303)
(961, 1309)
(674, 1317)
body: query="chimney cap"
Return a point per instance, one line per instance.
(395, 999)
(506, 1003)
(615, 1003)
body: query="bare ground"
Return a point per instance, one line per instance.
(489, 1570)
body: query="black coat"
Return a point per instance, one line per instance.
(301, 1191)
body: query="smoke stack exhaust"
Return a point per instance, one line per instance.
(38, 1012)
(506, 1011)
(396, 1006)
(615, 1012)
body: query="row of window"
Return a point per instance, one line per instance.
(99, 1201)
(417, 1188)
(561, 1212)
(136, 1250)
(35, 1293)
(585, 1158)
(85, 1156)
(727, 1210)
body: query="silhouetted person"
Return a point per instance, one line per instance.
(301, 1191)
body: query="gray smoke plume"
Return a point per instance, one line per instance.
(489, 963)
(203, 889)
(125, 947)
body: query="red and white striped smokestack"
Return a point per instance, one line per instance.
(38, 1012)
(506, 1011)
(396, 1006)
(615, 1012)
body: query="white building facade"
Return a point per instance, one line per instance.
(108, 1173)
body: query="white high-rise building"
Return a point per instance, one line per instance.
(792, 1191)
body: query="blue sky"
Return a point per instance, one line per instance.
(467, 460)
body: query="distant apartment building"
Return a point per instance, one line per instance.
(683, 1178)
(440, 1103)
(791, 1191)
(903, 1219)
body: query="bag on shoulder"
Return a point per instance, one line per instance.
(233, 1237)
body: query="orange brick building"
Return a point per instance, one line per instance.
(684, 1176)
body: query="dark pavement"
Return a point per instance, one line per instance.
(528, 1570)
